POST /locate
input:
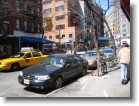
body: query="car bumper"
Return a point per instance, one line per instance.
(92, 64)
(3, 68)
(36, 83)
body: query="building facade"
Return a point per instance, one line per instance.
(73, 17)
(119, 25)
(65, 18)
(19, 18)
(93, 20)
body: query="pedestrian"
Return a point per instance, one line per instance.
(124, 55)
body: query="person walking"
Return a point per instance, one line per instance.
(124, 55)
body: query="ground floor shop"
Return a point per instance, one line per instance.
(12, 45)
(8, 46)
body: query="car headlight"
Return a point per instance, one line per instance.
(4, 63)
(45, 77)
(21, 73)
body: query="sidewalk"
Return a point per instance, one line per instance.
(108, 85)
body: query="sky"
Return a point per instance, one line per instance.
(104, 4)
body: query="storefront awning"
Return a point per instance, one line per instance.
(26, 39)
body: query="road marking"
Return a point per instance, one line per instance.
(105, 93)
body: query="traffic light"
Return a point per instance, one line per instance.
(116, 28)
(57, 36)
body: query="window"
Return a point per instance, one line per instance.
(124, 35)
(36, 54)
(60, 27)
(39, 28)
(45, 37)
(124, 25)
(124, 30)
(47, 11)
(59, 8)
(77, 60)
(46, 1)
(70, 35)
(50, 37)
(32, 27)
(18, 23)
(63, 35)
(39, 12)
(58, 0)
(17, 4)
(5, 28)
(25, 25)
(60, 17)
(28, 55)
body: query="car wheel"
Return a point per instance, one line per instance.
(15, 67)
(84, 71)
(58, 83)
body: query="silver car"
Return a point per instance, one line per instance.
(90, 56)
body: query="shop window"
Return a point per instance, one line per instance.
(5, 50)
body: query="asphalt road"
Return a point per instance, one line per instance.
(108, 85)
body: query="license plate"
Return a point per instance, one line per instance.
(26, 81)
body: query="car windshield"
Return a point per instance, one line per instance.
(19, 55)
(90, 54)
(54, 61)
(107, 51)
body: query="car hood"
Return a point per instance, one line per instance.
(40, 69)
(90, 58)
(10, 59)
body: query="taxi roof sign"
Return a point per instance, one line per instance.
(27, 49)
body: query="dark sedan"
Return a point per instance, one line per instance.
(53, 71)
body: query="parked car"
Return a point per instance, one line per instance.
(53, 71)
(90, 56)
(53, 51)
(21, 59)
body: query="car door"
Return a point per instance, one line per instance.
(28, 59)
(36, 57)
(68, 71)
(77, 65)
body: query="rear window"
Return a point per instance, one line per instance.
(108, 51)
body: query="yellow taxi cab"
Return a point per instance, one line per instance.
(21, 59)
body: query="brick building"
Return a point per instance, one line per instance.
(66, 20)
(19, 18)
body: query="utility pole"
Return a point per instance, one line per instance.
(59, 35)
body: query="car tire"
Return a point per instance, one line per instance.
(84, 71)
(58, 82)
(15, 67)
